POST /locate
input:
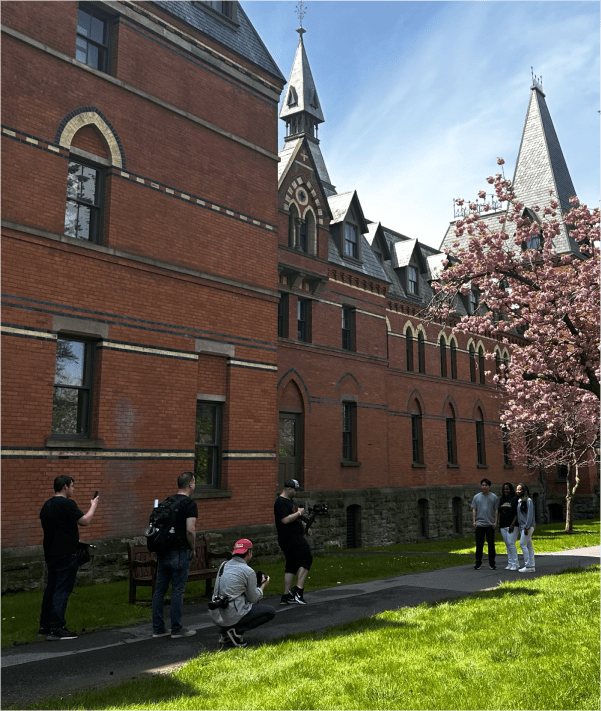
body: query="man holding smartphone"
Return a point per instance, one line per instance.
(60, 517)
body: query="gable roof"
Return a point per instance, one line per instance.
(340, 206)
(376, 235)
(242, 37)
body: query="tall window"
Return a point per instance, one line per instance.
(293, 220)
(497, 363)
(421, 352)
(207, 462)
(348, 328)
(303, 244)
(453, 351)
(451, 437)
(83, 214)
(409, 348)
(424, 522)
(472, 355)
(417, 445)
(443, 357)
(92, 43)
(283, 316)
(72, 400)
(481, 366)
(351, 246)
(304, 320)
(473, 301)
(412, 283)
(349, 412)
(480, 446)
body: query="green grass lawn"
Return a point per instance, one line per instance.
(95, 607)
(529, 644)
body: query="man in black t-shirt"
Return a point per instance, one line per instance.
(60, 517)
(174, 565)
(292, 541)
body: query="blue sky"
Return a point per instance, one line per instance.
(421, 97)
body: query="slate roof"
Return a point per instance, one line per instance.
(370, 266)
(403, 251)
(339, 205)
(243, 39)
(540, 167)
(490, 218)
(304, 94)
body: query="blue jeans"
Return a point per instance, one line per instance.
(172, 568)
(259, 615)
(62, 572)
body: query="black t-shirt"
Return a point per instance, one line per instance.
(59, 517)
(186, 509)
(286, 531)
(507, 511)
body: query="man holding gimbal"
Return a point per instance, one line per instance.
(237, 590)
(292, 541)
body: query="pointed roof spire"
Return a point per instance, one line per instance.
(301, 96)
(540, 166)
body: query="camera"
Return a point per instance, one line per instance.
(313, 512)
(219, 601)
(261, 578)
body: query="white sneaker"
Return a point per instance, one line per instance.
(512, 567)
(507, 567)
(527, 570)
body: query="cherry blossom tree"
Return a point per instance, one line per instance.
(544, 305)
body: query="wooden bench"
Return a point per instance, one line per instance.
(143, 566)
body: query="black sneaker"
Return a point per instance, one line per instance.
(492, 567)
(235, 638)
(298, 596)
(62, 633)
(287, 599)
(44, 631)
(477, 566)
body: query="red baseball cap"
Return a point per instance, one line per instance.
(242, 546)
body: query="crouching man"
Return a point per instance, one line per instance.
(237, 582)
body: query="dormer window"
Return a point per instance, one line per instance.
(351, 246)
(223, 7)
(535, 242)
(473, 301)
(412, 283)
(292, 97)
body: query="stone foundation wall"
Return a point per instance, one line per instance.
(386, 516)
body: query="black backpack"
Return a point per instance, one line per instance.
(160, 534)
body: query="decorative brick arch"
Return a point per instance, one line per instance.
(293, 375)
(349, 375)
(415, 395)
(85, 116)
(479, 406)
(450, 400)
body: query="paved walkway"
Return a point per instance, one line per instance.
(39, 670)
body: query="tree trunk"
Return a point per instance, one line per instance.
(571, 492)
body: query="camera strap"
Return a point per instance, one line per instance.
(219, 574)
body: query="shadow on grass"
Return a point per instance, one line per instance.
(143, 692)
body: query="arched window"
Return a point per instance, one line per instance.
(443, 357)
(481, 366)
(421, 352)
(417, 444)
(480, 445)
(497, 363)
(451, 436)
(472, 353)
(453, 349)
(457, 515)
(473, 301)
(409, 348)
(303, 243)
(292, 223)
(311, 232)
(424, 522)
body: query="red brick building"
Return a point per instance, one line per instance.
(139, 261)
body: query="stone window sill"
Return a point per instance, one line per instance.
(350, 464)
(58, 443)
(417, 465)
(452, 466)
(482, 466)
(211, 494)
(507, 466)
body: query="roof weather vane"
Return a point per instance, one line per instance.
(301, 12)
(537, 81)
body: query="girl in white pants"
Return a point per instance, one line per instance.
(507, 524)
(526, 524)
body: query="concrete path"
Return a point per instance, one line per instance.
(97, 659)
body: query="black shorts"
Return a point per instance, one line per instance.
(297, 553)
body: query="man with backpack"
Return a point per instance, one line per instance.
(173, 558)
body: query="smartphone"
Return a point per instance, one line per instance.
(95, 495)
